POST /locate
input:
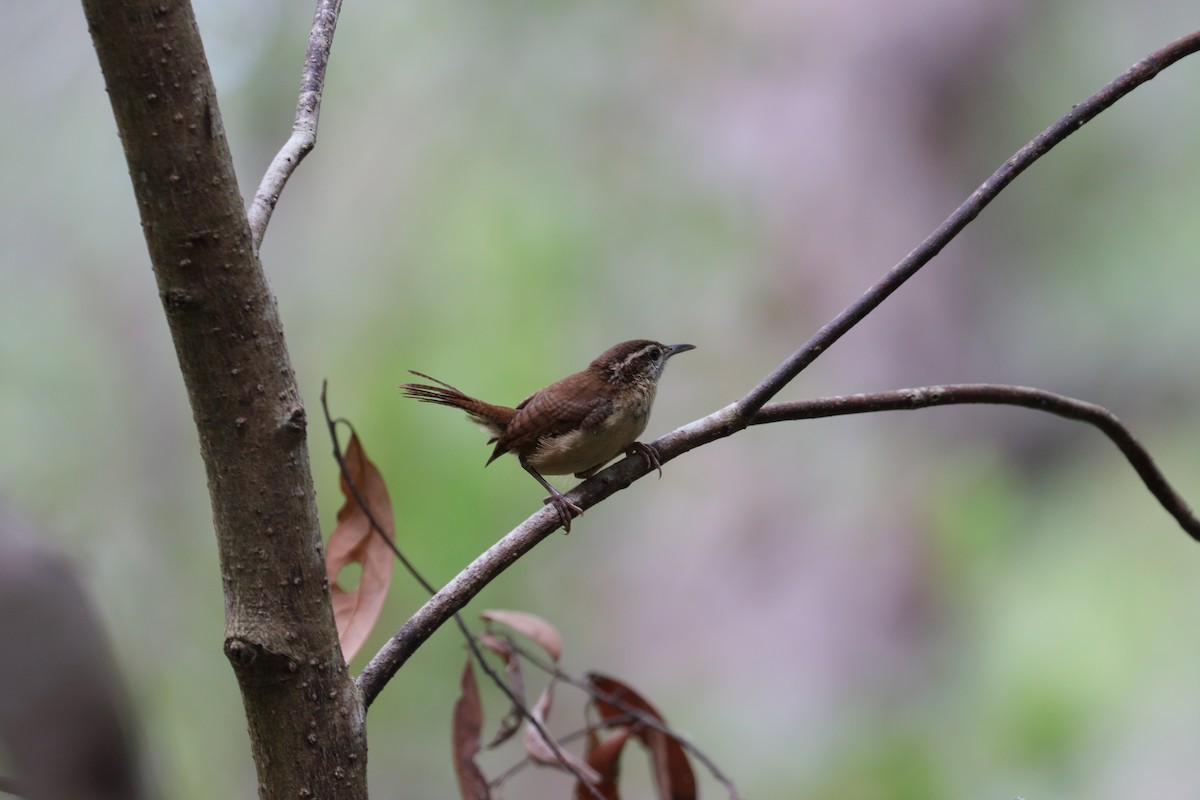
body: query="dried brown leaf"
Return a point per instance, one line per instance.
(501, 647)
(516, 684)
(673, 775)
(467, 724)
(530, 626)
(543, 751)
(537, 747)
(354, 542)
(604, 756)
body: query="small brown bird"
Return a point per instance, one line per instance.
(576, 425)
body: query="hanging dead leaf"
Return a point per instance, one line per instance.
(673, 775)
(530, 626)
(604, 756)
(467, 724)
(354, 542)
(516, 684)
(543, 751)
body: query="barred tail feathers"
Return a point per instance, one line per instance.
(491, 418)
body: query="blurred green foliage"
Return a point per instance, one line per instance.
(960, 603)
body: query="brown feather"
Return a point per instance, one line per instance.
(545, 415)
(493, 418)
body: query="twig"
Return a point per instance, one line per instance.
(634, 714)
(519, 705)
(376, 528)
(1057, 404)
(631, 715)
(735, 417)
(304, 129)
(527, 761)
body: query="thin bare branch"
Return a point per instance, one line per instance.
(527, 760)
(376, 528)
(1068, 407)
(633, 714)
(735, 417)
(304, 129)
(1079, 115)
(518, 704)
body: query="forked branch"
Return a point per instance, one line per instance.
(752, 409)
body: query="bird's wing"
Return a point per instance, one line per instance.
(545, 415)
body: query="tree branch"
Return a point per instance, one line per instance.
(1057, 404)
(304, 129)
(1079, 115)
(750, 410)
(458, 592)
(279, 629)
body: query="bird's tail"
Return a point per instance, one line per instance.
(491, 418)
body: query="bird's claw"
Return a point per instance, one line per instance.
(565, 508)
(647, 452)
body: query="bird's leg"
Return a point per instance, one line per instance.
(565, 508)
(647, 452)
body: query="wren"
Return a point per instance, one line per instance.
(575, 425)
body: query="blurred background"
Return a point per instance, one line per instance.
(970, 602)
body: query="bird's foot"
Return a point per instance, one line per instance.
(565, 508)
(647, 452)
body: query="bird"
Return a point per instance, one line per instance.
(575, 425)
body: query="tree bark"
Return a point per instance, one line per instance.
(305, 716)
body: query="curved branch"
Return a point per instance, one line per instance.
(1057, 404)
(459, 591)
(304, 129)
(750, 409)
(1079, 115)
(452, 597)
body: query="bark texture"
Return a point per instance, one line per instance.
(305, 714)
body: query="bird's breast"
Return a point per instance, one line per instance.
(584, 448)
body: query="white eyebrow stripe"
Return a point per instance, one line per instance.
(636, 355)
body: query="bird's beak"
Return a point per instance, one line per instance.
(673, 349)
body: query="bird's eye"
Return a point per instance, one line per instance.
(655, 353)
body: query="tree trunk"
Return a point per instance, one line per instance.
(305, 716)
